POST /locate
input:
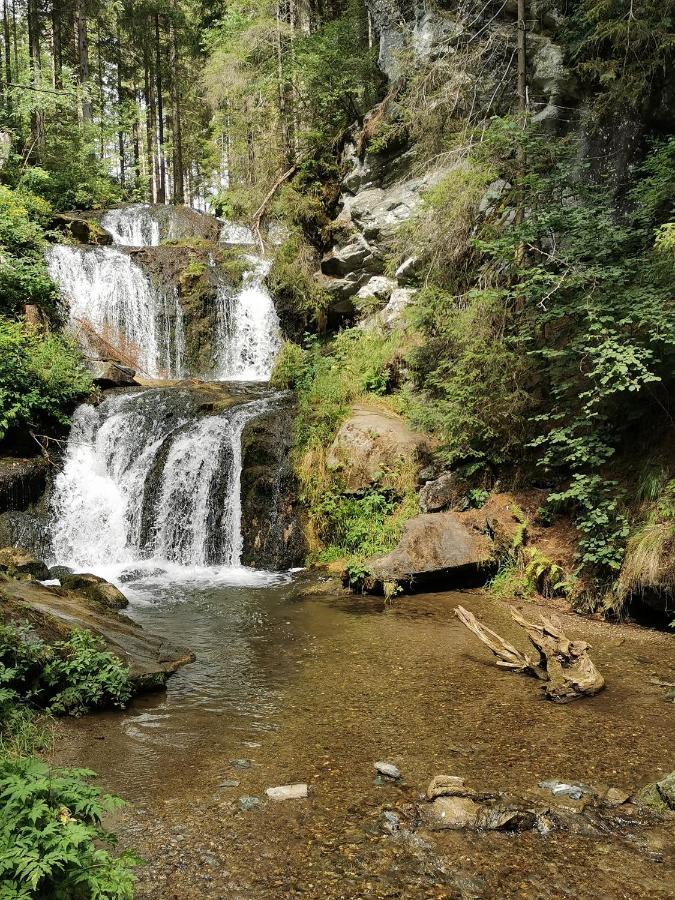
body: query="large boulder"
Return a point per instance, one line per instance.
(110, 374)
(372, 447)
(83, 229)
(436, 549)
(97, 590)
(440, 494)
(272, 533)
(20, 563)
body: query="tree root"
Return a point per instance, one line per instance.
(564, 666)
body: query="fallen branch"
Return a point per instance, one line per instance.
(564, 665)
(258, 214)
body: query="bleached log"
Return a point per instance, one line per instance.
(564, 665)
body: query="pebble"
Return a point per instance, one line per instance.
(246, 804)
(287, 792)
(241, 763)
(229, 783)
(392, 821)
(389, 770)
(574, 791)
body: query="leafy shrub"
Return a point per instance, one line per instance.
(288, 367)
(52, 844)
(23, 273)
(41, 377)
(470, 379)
(71, 676)
(298, 297)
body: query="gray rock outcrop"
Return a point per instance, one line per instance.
(371, 447)
(435, 549)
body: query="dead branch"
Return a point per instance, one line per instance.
(259, 213)
(564, 665)
(507, 655)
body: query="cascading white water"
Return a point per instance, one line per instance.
(248, 329)
(112, 297)
(133, 226)
(104, 510)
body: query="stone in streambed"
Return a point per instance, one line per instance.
(389, 770)
(96, 589)
(246, 803)
(451, 813)
(288, 792)
(229, 783)
(448, 786)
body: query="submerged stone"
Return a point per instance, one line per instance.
(288, 792)
(246, 803)
(389, 770)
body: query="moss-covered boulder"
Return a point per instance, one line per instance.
(82, 228)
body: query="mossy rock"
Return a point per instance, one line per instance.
(82, 229)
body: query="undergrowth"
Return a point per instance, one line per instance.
(52, 843)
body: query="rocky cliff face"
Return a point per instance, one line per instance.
(271, 519)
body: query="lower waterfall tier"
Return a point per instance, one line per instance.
(156, 475)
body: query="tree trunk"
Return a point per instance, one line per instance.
(161, 190)
(15, 42)
(57, 52)
(37, 123)
(178, 177)
(522, 57)
(83, 59)
(8, 47)
(120, 104)
(150, 125)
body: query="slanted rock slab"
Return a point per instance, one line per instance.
(55, 612)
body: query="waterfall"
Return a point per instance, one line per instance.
(145, 480)
(133, 226)
(112, 302)
(248, 329)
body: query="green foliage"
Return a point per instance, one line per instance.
(333, 94)
(334, 374)
(52, 843)
(298, 297)
(288, 367)
(469, 377)
(70, 677)
(41, 377)
(624, 54)
(23, 273)
(360, 526)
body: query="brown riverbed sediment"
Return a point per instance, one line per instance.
(311, 687)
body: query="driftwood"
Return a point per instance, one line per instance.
(564, 666)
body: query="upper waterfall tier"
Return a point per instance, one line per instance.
(147, 477)
(148, 225)
(170, 310)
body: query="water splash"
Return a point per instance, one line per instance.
(111, 295)
(248, 331)
(143, 480)
(133, 226)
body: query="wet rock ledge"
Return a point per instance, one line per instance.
(84, 602)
